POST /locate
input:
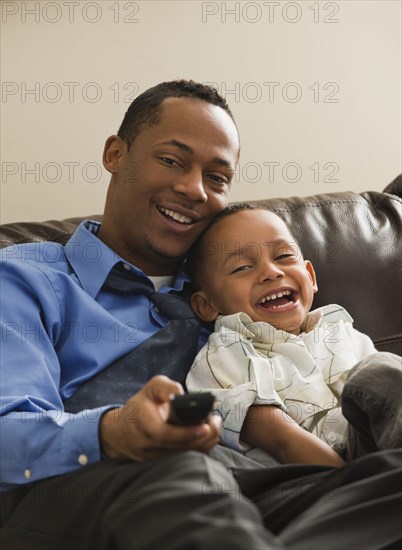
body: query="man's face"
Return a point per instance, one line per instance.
(171, 183)
(253, 265)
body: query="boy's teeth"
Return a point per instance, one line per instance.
(274, 296)
(176, 216)
(278, 307)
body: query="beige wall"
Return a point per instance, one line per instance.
(315, 88)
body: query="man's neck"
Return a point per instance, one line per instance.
(157, 266)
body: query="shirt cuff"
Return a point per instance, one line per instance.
(81, 440)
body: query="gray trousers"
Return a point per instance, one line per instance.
(191, 501)
(372, 403)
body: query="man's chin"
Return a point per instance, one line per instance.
(167, 254)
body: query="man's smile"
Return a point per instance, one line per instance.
(180, 218)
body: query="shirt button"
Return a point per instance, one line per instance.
(332, 436)
(127, 267)
(83, 460)
(27, 474)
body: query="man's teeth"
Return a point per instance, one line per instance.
(274, 296)
(176, 216)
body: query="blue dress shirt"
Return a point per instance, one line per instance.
(58, 329)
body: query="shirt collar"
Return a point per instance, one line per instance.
(312, 319)
(259, 330)
(92, 260)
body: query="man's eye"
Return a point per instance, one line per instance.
(218, 178)
(169, 161)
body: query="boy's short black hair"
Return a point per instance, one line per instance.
(146, 108)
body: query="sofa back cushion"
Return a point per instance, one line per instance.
(353, 240)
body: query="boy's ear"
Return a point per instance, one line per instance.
(203, 307)
(311, 272)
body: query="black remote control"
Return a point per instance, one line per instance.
(190, 408)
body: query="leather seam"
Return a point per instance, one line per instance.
(320, 204)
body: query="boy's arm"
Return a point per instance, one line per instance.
(271, 429)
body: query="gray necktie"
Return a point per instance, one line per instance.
(169, 351)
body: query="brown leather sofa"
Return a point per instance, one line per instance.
(354, 241)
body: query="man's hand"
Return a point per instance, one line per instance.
(139, 430)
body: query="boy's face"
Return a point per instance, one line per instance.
(253, 265)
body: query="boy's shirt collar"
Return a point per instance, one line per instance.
(265, 332)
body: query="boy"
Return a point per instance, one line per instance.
(274, 366)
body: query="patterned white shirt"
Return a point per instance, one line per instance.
(248, 363)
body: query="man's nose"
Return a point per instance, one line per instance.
(191, 185)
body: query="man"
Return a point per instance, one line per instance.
(115, 474)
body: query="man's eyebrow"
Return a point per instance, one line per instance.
(179, 144)
(187, 149)
(221, 162)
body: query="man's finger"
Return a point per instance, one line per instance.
(160, 388)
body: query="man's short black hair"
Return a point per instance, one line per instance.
(145, 109)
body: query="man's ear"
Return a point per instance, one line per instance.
(203, 307)
(311, 272)
(113, 150)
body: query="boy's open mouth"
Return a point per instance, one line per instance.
(279, 299)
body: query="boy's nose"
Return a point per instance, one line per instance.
(270, 271)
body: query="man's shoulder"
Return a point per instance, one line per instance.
(30, 257)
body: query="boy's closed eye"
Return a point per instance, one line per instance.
(241, 268)
(286, 256)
